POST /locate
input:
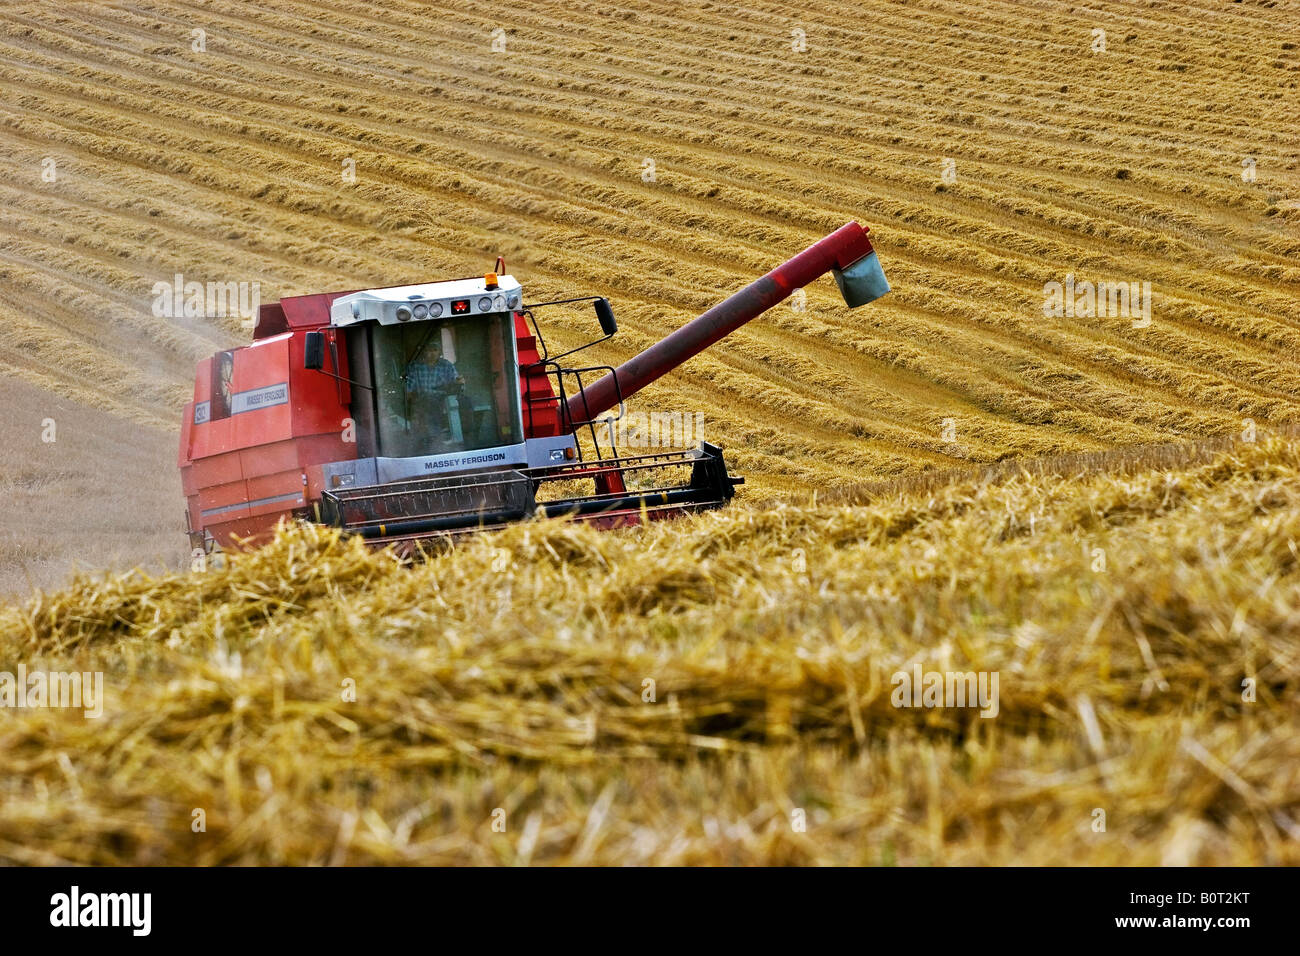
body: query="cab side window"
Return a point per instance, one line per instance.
(223, 368)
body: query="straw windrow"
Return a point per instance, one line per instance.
(513, 674)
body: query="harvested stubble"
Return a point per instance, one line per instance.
(509, 673)
(225, 164)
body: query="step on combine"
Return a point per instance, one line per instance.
(421, 411)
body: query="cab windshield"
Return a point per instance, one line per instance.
(446, 386)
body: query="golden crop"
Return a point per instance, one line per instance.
(1123, 165)
(1101, 511)
(682, 693)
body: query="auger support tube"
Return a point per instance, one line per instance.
(847, 252)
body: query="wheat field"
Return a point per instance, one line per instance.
(928, 477)
(717, 691)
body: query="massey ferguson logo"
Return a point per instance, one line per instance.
(466, 460)
(256, 398)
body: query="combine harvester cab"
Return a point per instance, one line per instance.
(415, 412)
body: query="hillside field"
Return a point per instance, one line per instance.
(930, 479)
(719, 691)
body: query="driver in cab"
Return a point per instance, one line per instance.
(434, 374)
(429, 382)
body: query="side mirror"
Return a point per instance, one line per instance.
(314, 351)
(608, 324)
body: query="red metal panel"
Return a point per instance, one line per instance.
(319, 449)
(270, 321)
(183, 452)
(212, 438)
(230, 500)
(202, 390)
(276, 485)
(218, 470)
(275, 494)
(256, 529)
(258, 369)
(268, 459)
(541, 412)
(203, 380)
(258, 454)
(309, 311)
(320, 402)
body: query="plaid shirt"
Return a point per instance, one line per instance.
(430, 378)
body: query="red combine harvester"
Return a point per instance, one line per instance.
(420, 411)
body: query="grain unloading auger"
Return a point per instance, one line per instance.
(419, 411)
